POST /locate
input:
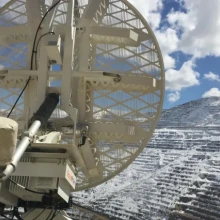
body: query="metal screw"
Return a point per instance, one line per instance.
(53, 61)
(118, 78)
(83, 132)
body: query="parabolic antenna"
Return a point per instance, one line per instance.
(103, 60)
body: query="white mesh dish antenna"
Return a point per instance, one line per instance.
(104, 61)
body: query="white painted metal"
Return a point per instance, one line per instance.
(43, 81)
(70, 32)
(42, 172)
(21, 148)
(54, 49)
(111, 80)
(8, 134)
(41, 169)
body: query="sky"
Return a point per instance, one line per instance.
(188, 32)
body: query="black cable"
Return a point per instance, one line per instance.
(17, 214)
(3, 215)
(38, 45)
(39, 27)
(39, 214)
(13, 213)
(54, 209)
(32, 56)
(55, 214)
(50, 214)
(6, 212)
(29, 190)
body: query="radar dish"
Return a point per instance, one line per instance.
(108, 70)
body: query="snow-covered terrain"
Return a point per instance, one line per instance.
(176, 177)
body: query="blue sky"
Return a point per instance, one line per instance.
(188, 32)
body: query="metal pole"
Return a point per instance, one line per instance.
(40, 118)
(21, 148)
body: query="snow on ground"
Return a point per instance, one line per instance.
(179, 166)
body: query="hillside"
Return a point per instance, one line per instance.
(201, 112)
(177, 175)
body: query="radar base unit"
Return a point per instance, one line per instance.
(46, 173)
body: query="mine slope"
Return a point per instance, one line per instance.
(176, 177)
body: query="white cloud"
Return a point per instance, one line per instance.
(169, 62)
(212, 92)
(173, 97)
(200, 26)
(168, 41)
(167, 38)
(181, 21)
(150, 10)
(212, 77)
(185, 77)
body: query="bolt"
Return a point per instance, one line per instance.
(118, 78)
(53, 61)
(83, 132)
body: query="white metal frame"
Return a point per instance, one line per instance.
(111, 37)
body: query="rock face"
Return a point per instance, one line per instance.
(176, 177)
